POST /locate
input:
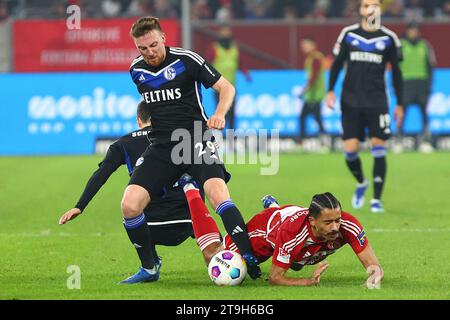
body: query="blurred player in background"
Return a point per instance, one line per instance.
(293, 236)
(225, 57)
(169, 80)
(366, 48)
(314, 90)
(417, 70)
(167, 218)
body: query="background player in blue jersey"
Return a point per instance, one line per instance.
(167, 217)
(366, 48)
(169, 80)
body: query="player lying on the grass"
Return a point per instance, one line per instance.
(293, 236)
(168, 217)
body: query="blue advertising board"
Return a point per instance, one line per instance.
(65, 113)
(271, 100)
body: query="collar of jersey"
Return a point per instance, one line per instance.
(158, 72)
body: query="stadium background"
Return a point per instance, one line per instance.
(68, 92)
(73, 84)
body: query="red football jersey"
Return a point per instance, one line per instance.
(285, 234)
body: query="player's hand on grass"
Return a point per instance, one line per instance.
(399, 114)
(69, 215)
(375, 276)
(318, 272)
(330, 99)
(216, 121)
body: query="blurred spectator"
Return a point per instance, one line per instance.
(111, 8)
(225, 11)
(201, 10)
(430, 7)
(351, 10)
(164, 9)
(139, 8)
(319, 12)
(289, 13)
(414, 10)
(258, 9)
(59, 9)
(336, 8)
(314, 90)
(237, 7)
(4, 12)
(225, 57)
(312, 9)
(446, 9)
(417, 70)
(393, 8)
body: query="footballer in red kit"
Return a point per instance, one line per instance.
(284, 233)
(293, 236)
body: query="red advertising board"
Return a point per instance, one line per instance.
(99, 45)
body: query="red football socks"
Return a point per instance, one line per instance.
(205, 228)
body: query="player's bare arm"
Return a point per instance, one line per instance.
(399, 115)
(277, 276)
(330, 99)
(226, 95)
(371, 264)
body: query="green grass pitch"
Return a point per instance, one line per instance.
(411, 238)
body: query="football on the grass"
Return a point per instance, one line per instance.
(227, 268)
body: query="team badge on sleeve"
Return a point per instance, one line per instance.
(283, 256)
(362, 238)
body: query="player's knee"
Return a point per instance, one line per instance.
(377, 142)
(134, 201)
(216, 191)
(351, 145)
(130, 209)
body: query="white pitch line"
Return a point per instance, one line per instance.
(415, 230)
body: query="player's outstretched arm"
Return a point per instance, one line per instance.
(277, 276)
(372, 266)
(96, 181)
(226, 93)
(69, 215)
